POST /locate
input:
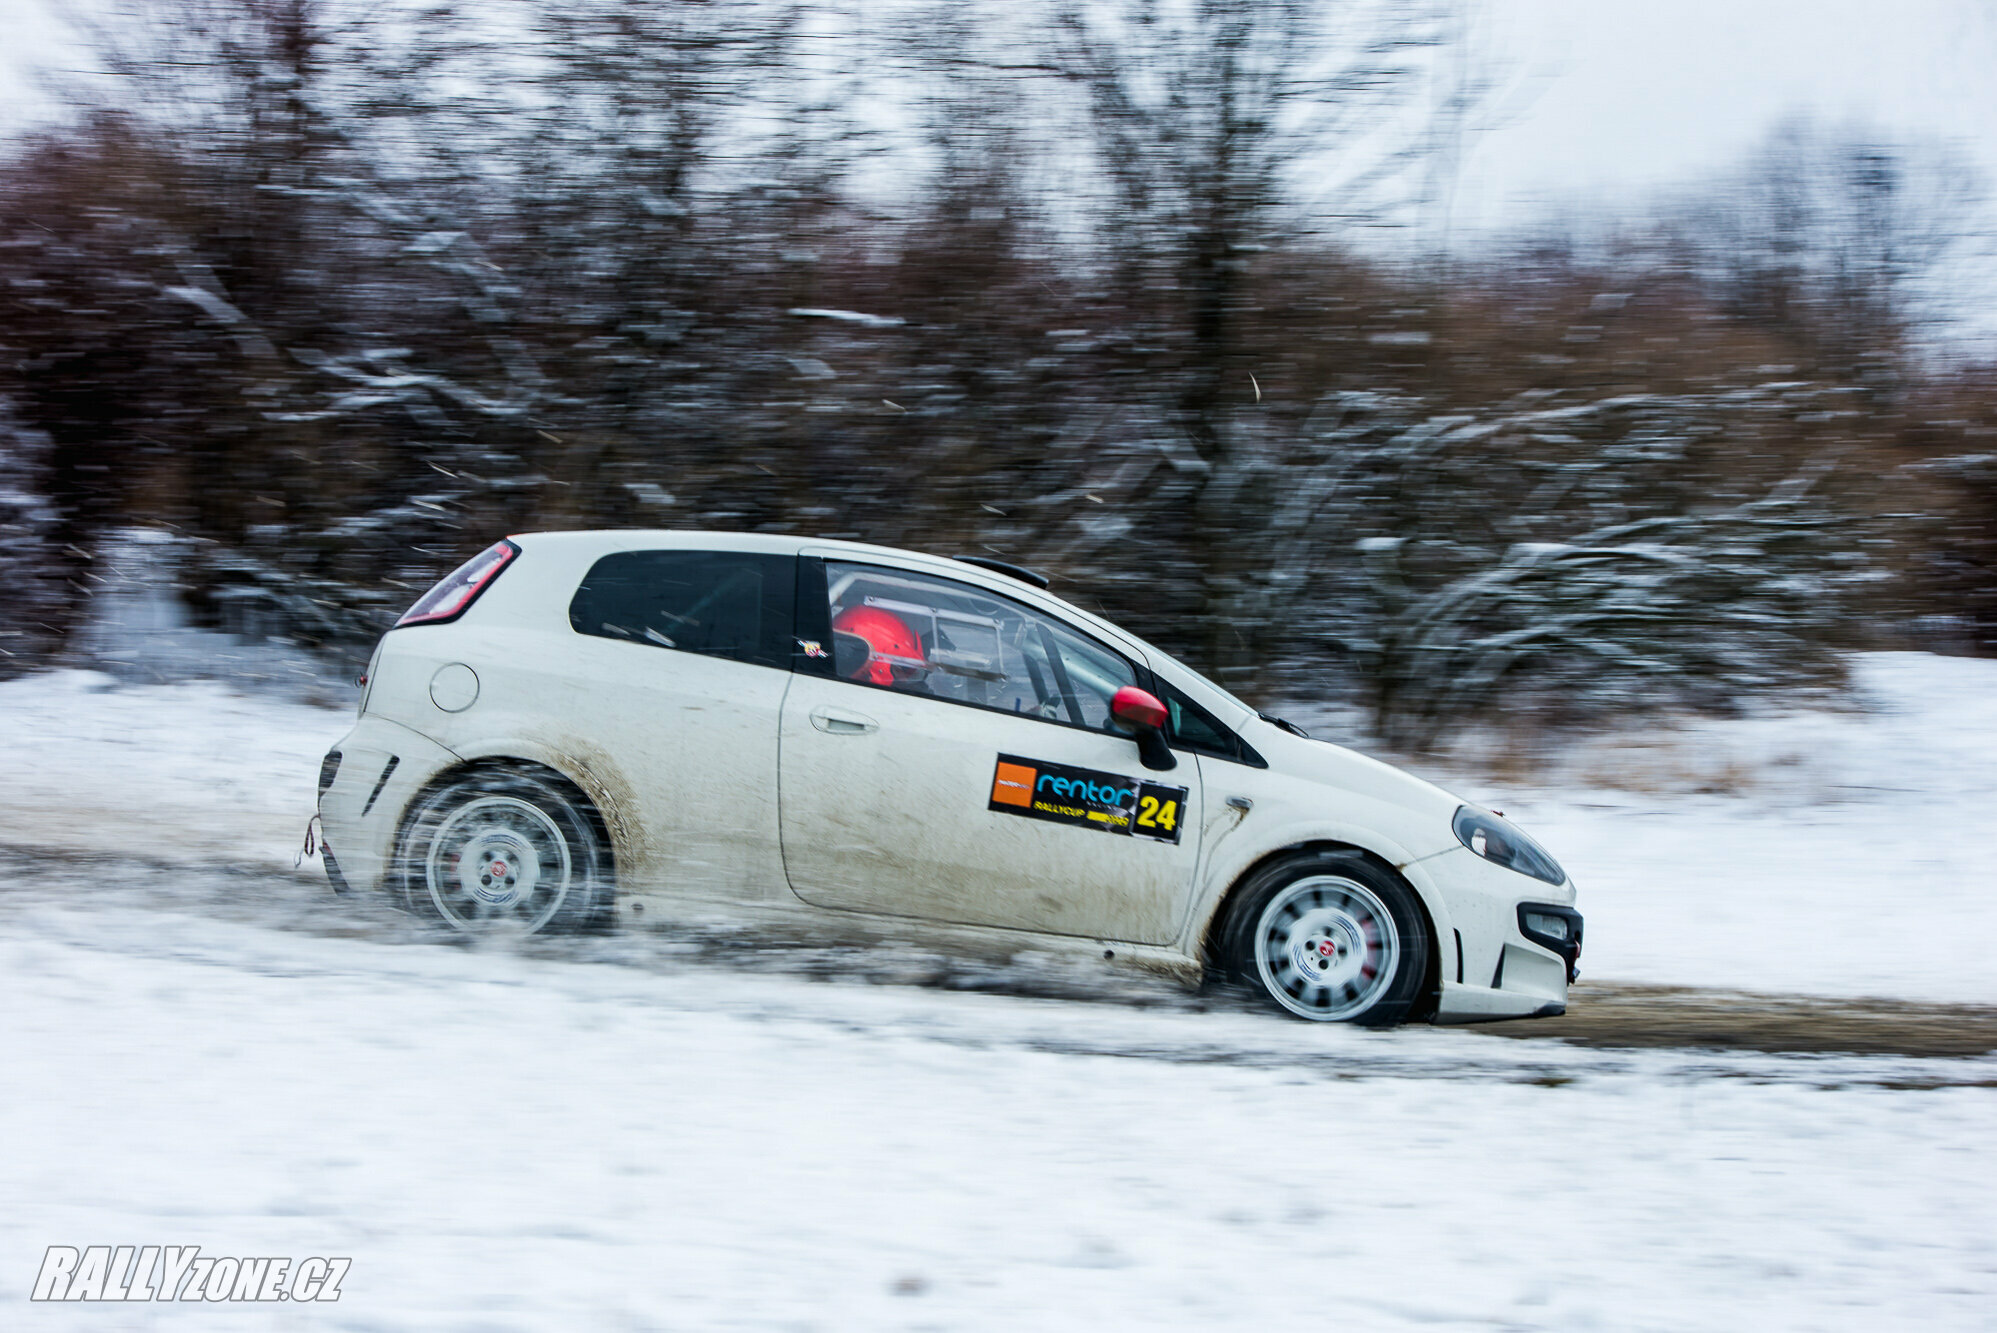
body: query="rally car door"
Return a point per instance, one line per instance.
(952, 761)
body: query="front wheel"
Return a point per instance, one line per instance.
(501, 852)
(1329, 936)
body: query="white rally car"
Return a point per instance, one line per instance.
(584, 727)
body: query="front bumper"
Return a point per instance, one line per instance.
(1496, 966)
(1555, 929)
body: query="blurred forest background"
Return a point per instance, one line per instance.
(339, 292)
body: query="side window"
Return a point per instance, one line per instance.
(1193, 728)
(925, 635)
(717, 603)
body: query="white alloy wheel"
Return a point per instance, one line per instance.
(1327, 948)
(499, 860)
(1330, 935)
(505, 852)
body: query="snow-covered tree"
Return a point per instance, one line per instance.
(33, 589)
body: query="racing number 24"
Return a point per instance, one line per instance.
(1154, 813)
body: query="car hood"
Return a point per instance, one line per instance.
(1416, 811)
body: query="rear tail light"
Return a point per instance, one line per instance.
(456, 591)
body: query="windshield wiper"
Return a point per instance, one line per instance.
(1285, 724)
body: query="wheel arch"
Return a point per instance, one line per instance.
(397, 872)
(1204, 939)
(586, 767)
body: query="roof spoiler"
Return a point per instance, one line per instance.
(1020, 572)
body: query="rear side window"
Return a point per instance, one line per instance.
(716, 603)
(457, 590)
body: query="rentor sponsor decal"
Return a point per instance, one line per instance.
(1085, 798)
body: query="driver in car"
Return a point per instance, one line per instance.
(893, 651)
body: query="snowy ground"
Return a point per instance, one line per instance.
(198, 1047)
(503, 1142)
(191, 772)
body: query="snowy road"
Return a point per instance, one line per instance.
(507, 1141)
(638, 1132)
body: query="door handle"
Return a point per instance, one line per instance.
(837, 722)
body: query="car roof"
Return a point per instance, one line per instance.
(610, 540)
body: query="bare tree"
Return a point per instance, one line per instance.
(1829, 236)
(1207, 114)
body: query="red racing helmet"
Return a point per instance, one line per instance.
(893, 650)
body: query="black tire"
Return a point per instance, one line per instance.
(1330, 936)
(505, 850)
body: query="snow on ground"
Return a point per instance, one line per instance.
(191, 772)
(1824, 852)
(502, 1142)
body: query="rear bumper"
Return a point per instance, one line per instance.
(333, 869)
(382, 766)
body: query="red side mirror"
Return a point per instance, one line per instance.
(1138, 709)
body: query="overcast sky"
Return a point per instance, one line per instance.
(1615, 97)
(1609, 99)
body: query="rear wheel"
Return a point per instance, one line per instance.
(499, 852)
(1329, 936)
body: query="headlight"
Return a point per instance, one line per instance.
(1494, 839)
